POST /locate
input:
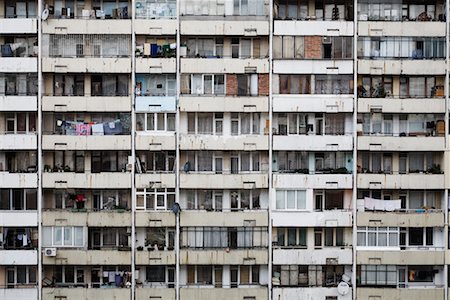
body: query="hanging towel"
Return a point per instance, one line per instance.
(97, 129)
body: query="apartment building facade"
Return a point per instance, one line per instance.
(228, 149)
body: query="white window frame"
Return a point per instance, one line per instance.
(154, 191)
(54, 243)
(285, 200)
(388, 231)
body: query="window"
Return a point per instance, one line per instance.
(290, 199)
(155, 199)
(294, 84)
(60, 236)
(20, 276)
(20, 123)
(291, 161)
(420, 236)
(161, 238)
(209, 200)
(160, 275)
(155, 122)
(110, 199)
(156, 162)
(378, 236)
(18, 199)
(373, 275)
(156, 85)
(291, 237)
(247, 85)
(108, 161)
(18, 84)
(68, 85)
(420, 87)
(329, 200)
(245, 123)
(245, 199)
(69, 275)
(207, 84)
(108, 237)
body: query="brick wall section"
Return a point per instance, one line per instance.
(313, 47)
(263, 84)
(231, 84)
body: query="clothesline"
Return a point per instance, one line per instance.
(91, 128)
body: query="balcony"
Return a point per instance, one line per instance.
(411, 218)
(18, 257)
(86, 65)
(305, 66)
(156, 65)
(154, 257)
(223, 103)
(90, 142)
(401, 67)
(85, 293)
(313, 181)
(224, 181)
(153, 180)
(313, 103)
(342, 256)
(86, 103)
(223, 293)
(155, 26)
(155, 293)
(313, 293)
(321, 28)
(153, 142)
(18, 26)
(88, 257)
(326, 218)
(223, 219)
(243, 27)
(86, 26)
(404, 143)
(224, 143)
(156, 103)
(406, 29)
(224, 257)
(398, 105)
(18, 64)
(18, 103)
(313, 142)
(401, 181)
(224, 65)
(18, 141)
(19, 180)
(155, 219)
(18, 218)
(386, 293)
(105, 180)
(20, 293)
(83, 217)
(433, 256)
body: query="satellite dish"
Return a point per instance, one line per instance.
(45, 14)
(343, 288)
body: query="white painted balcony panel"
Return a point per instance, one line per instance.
(313, 142)
(86, 65)
(305, 66)
(224, 27)
(19, 294)
(406, 143)
(156, 27)
(156, 104)
(18, 141)
(406, 29)
(257, 293)
(19, 25)
(411, 105)
(18, 218)
(88, 257)
(222, 257)
(311, 293)
(313, 103)
(224, 65)
(18, 257)
(155, 218)
(322, 28)
(18, 64)
(327, 218)
(85, 293)
(153, 180)
(410, 257)
(224, 181)
(224, 143)
(312, 257)
(86, 26)
(155, 257)
(155, 142)
(86, 103)
(108, 218)
(401, 181)
(106, 180)
(411, 293)
(89, 142)
(401, 67)
(223, 219)
(18, 103)
(156, 65)
(224, 103)
(18, 180)
(401, 219)
(314, 181)
(155, 293)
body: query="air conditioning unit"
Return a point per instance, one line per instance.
(50, 251)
